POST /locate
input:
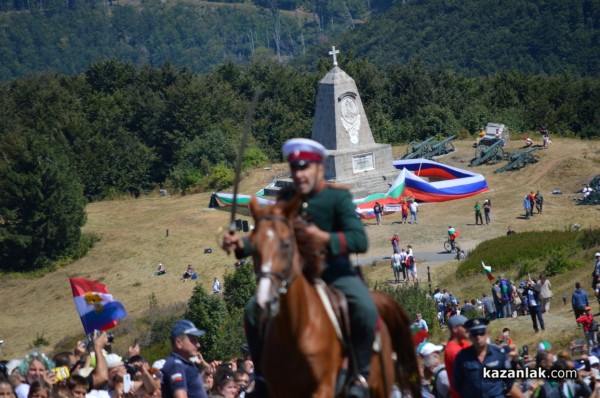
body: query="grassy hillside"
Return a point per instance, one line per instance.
(134, 241)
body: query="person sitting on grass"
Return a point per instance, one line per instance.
(189, 273)
(161, 270)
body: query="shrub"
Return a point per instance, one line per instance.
(589, 238)
(239, 286)
(414, 299)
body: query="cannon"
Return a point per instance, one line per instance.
(416, 149)
(440, 148)
(518, 160)
(492, 153)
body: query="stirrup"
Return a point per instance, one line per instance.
(358, 388)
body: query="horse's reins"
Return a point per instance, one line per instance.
(286, 277)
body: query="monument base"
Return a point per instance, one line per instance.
(367, 170)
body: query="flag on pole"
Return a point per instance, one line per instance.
(488, 271)
(96, 307)
(418, 335)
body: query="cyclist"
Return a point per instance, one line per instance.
(451, 237)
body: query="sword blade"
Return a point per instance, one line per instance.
(240, 156)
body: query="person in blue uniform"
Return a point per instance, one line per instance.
(181, 378)
(468, 371)
(332, 222)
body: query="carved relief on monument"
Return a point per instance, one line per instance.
(350, 116)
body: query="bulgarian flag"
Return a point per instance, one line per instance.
(488, 271)
(96, 307)
(418, 335)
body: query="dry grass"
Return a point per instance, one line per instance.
(134, 242)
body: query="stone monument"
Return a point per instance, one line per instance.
(341, 125)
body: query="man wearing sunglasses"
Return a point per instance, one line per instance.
(471, 362)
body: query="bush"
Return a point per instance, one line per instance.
(589, 238)
(239, 287)
(526, 246)
(414, 299)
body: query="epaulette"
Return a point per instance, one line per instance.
(343, 187)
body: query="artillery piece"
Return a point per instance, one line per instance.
(440, 148)
(518, 160)
(416, 149)
(488, 152)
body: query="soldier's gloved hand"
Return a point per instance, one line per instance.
(310, 233)
(232, 242)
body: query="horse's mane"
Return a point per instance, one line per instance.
(311, 253)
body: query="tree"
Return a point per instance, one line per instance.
(239, 287)
(42, 208)
(208, 313)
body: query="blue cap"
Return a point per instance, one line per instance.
(184, 326)
(457, 320)
(476, 325)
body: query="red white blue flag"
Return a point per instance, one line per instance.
(96, 307)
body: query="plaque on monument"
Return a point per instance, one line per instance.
(363, 162)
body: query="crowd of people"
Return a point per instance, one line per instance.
(99, 373)
(403, 262)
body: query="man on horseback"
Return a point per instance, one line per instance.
(333, 224)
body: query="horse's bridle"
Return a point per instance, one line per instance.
(281, 280)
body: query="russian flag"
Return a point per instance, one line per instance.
(96, 307)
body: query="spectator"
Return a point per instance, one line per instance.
(161, 270)
(489, 309)
(414, 209)
(487, 210)
(409, 262)
(216, 286)
(527, 206)
(478, 217)
(539, 202)
(545, 293)
(531, 197)
(596, 273)
(377, 210)
(189, 273)
(181, 378)
(405, 208)
(421, 323)
(579, 300)
(35, 366)
(467, 374)
(225, 385)
(510, 231)
(242, 379)
(395, 243)
(586, 320)
(435, 370)
(397, 266)
(6, 390)
(497, 295)
(39, 389)
(534, 302)
(458, 340)
(586, 190)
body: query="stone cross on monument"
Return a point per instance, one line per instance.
(341, 125)
(334, 52)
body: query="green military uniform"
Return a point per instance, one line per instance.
(333, 211)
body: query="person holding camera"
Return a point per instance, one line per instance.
(534, 302)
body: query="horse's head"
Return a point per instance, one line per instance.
(276, 259)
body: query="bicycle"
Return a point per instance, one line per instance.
(448, 246)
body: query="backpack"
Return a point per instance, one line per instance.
(434, 390)
(594, 326)
(504, 290)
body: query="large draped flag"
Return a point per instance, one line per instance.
(96, 307)
(488, 271)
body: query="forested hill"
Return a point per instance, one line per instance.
(485, 36)
(473, 37)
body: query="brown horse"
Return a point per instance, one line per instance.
(302, 354)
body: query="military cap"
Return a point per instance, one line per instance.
(302, 151)
(476, 325)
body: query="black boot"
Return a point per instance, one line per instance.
(359, 388)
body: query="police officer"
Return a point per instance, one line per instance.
(468, 371)
(333, 223)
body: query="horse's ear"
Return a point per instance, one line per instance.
(291, 208)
